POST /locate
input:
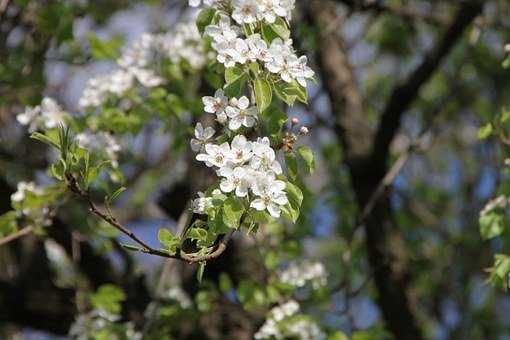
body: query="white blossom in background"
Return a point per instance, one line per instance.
(284, 322)
(196, 3)
(26, 187)
(36, 217)
(100, 142)
(298, 274)
(48, 115)
(139, 63)
(184, 44)
(99, 89)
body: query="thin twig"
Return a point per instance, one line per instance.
(16, 235)
(145, 248)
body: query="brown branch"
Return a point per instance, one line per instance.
(145, 248)
(386, 257)
(404, 94)
(16, 235)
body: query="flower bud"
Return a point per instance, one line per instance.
(304, 130)
(295, 120)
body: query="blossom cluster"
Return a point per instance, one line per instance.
(100, 142)
(283, 322)
(235, 112)
(48, 115)
(249, 169)
(278, 58)
(33, 216)
(298, 274)
(251, 11)
(139, 62)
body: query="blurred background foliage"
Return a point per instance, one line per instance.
(74, 278)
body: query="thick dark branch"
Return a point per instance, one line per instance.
(384, 244)
(406, 93)
(145, 248)
(405, 12)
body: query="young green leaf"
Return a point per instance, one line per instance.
(263, 94)
(200, 271)
(205, 18)
(233, 210)
(307, 155)
(292, 165)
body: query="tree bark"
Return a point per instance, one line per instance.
(367, 151)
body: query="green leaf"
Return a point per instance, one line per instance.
(8, 223)
(338, 336)
(263, 94)
(268, 34)
(274, 119)
(262, 217)
(485, 131)
(45, 139)
(232, 74)
(294, 194)
(233, 210)
(492, 224)
(289, 92)
(108, 297)
(499, 272)
(292, 210)
(235, 83)
(280, 28)
(205, 18)
(116, 194)
(200, 271)
(198, 234)
(292, 165)
(105, 49)
(169, 241)
(307, 155)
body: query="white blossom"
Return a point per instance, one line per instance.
(258, 48)
(234, 179)
(284, 62)
(245, 11)
(240, 113)
(202, 137)
(102, 142)
(216, 105)
(264, 157)
(201, 204)
(271, 195)
(48, 115)
(215, 155)
(241, 150)
(298, 274)
(284, 322)
(23, 188)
